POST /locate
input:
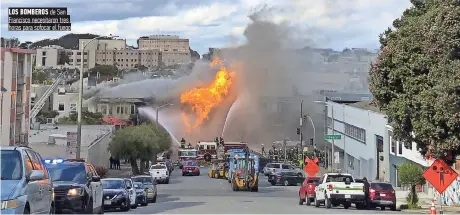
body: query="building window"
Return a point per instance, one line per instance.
(102, 108)
(133, 109)
(355, 132)
(110, 109)
(400, 147)
(73, 108)
(351, 161)
(43, 61)
(393, 145)
(61, 107)
(44, 53)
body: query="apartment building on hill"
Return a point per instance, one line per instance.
(174, 49)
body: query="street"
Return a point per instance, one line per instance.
(204, 195)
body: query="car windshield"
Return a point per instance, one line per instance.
(381, 186)
(143, 180)
(313, 180)
(191, 164)
(138, 185)
(67, 172)
(188, 153)
(11, 165)
(113, 184)
(158, 167)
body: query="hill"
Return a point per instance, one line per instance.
(68, 41)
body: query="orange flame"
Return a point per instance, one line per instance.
(204, 99)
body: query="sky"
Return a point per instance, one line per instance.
(333, 24)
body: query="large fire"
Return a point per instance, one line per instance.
(203, 99)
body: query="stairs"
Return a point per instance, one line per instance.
(41, 102)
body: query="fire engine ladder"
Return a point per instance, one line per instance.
(41, 102)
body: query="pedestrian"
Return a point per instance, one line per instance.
(366, 192)
(117, 163)
(111, 162)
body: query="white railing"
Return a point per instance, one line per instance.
(41, 102)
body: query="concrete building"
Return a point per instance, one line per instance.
(65, 101)
(15, 80)
(48, 57)
(50, 141)
(121, 108)
(97, 45)
(129, 58)
(174, 49)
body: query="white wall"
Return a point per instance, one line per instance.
(66, 99)
(51, 57)
(364, 152)
(5, 69)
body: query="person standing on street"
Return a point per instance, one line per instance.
(366, 192)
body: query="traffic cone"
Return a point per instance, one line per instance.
(433, 208)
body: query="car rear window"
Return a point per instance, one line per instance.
(381, 186)
(158, 167)
(285, 166)
(313, 180)
(339, 178)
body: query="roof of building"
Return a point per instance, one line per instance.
(39, 140)
(366, 105)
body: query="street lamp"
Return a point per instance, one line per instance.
(158, 108)
(333, 130)
(314, 130)
(80, 92)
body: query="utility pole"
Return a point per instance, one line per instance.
(301, 130)
(333, 141)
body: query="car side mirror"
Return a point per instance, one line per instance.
(37, 175)
(95, 178)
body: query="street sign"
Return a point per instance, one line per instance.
(312, 166)
(333, 137)
(440, 175)
(71, 147)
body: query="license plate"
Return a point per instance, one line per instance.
(347, 196)
(107, 202)
(190, 171)
(383, 194)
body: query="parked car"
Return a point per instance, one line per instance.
(116, 194)
(150, 184)
(285, 178)
(141, 194)
(191, 168)
(307, 190)
(382, 195)
(26, 185)
(131, 192)
(77, 186)
(271, 168)
(160, 173)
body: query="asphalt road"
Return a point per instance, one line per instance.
(203, 195)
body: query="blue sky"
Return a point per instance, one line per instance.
(219, 23)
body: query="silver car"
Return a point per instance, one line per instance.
(26, 185)
(271, 168)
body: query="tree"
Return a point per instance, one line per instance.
(415, 78)
(194, 54)
(105, 70)
(141, 67)
(43, 115)
(39, 77)
(25, 45)
(410, 174)
(87, 118)
(141, 142)
(63, 58)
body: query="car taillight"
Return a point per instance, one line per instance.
(371, 190)
(239, 172)
(393, 191)
(278, 177)
(330, 187)
(310, 186)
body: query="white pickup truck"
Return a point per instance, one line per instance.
(160, 173)
(336, 189)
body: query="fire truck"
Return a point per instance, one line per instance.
(207, 150)
(187, 154)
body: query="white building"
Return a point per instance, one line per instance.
(366, 147)
(15, 79)
(65, 101)
(48, 57)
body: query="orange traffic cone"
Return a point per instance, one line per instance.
(433, 208)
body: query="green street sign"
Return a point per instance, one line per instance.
(333, 137)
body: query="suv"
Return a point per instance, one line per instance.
(26, 185)
(382, 195)
(150, 186)
(77, 186)
(272, 168)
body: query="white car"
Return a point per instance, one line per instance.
(272, 168)
(131, 192)
(159, 173)
(336, 189)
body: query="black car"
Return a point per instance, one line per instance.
(116, 194)
(141, 194)
(150, 186)
(77, 187)
(285, 178)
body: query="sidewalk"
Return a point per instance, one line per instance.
(123, 172)
(424, 202)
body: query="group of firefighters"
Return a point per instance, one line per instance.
(293, 155)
